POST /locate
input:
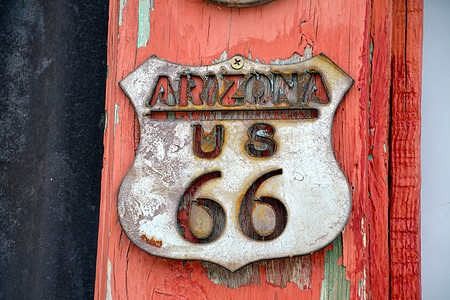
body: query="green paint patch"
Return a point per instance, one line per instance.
(370, 157)
(371, 50)
(121, 7)
(384, 147)
(144, 22)
(334, 283)
(362, 287)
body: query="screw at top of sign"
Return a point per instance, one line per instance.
(237, 62)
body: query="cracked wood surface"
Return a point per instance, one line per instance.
(405, 180)
(372, 150)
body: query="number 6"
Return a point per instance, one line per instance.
(262, 219)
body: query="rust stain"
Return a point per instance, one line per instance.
(252, 85)
(152, 241)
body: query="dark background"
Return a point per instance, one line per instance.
(52, 91)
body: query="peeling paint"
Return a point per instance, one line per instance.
(159, 277)
(249, 275)
(308, 52)
(371, 50)
(334, 284)
(370, 157)
(362, 293)
(121, 7)
(222, 57)
(278, 272)
(116, 116)
(363, 231)
(297, 270)
(295, 58)
(108, 281)
(145, 6)
(362, 286)
(106, 121)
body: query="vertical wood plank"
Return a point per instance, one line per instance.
(378, 157)
(405, 149)
(351, 145)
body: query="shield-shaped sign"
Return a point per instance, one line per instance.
(235, 162)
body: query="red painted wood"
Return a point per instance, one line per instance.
(377, 210)
(405, 149)
(356, 35)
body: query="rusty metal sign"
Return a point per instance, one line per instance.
(240, 3)
(235, 162)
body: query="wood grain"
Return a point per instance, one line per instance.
(377, 209)
(405, 149)
(377, 155)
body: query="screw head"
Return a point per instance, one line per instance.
(237, 62)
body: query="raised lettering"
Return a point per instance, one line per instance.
(261, 142)
(163, 93)
(208, 145)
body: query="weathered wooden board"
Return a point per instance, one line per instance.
(376, 138)
(404, 184)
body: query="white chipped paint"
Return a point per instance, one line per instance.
(363, 232)
(295, 58)
(108, 281)
(312, 186)
(222, 57)
(362, 293)
(116, 116)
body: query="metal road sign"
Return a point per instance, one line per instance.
(235, 162)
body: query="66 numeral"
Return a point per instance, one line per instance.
(268, 214)
(203, 220)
